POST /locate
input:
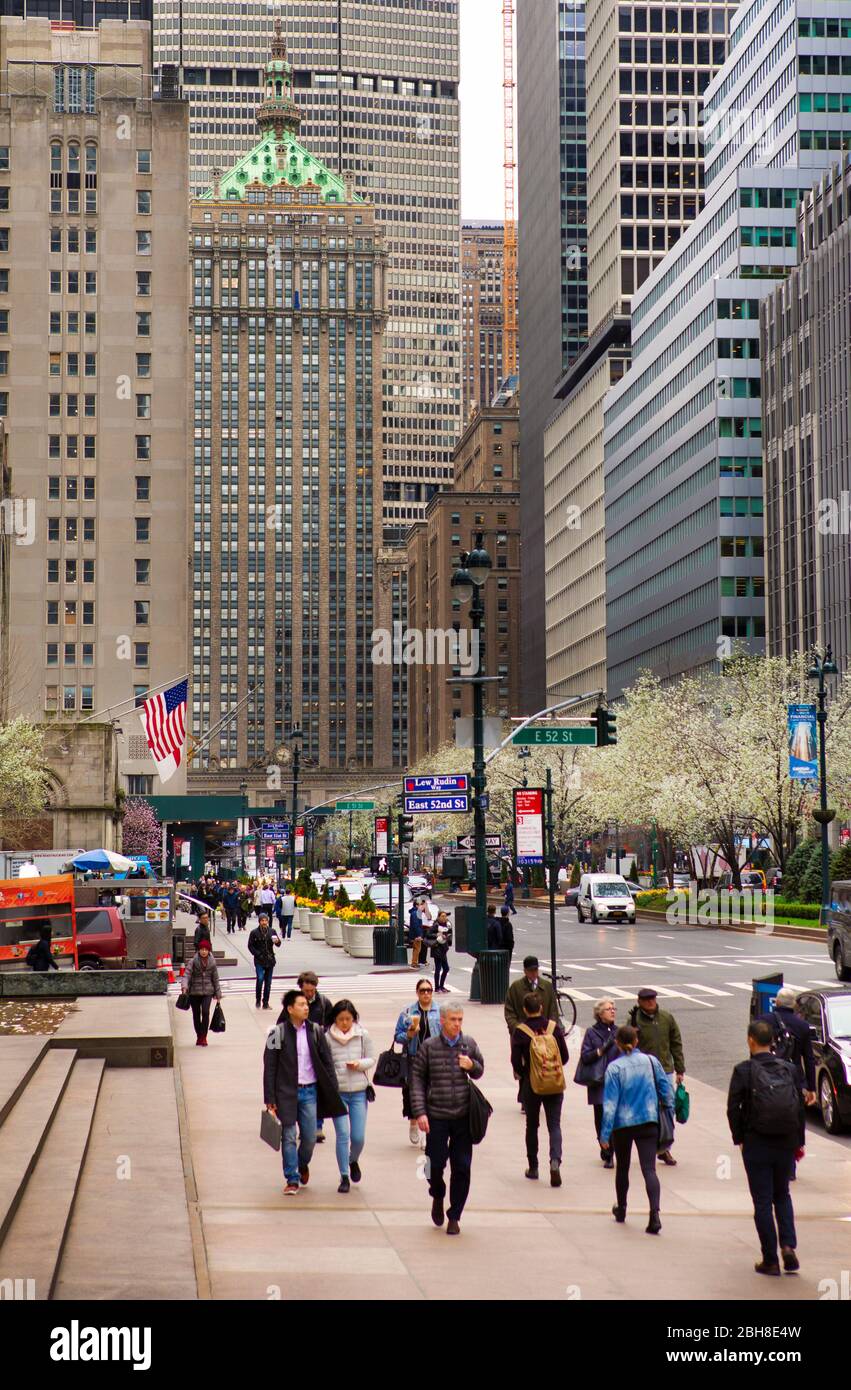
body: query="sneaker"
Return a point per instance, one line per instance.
(437, 1211)
(257, 1004)
(291, 1189)
(354, 1169)
(414, 1132)
(304, 1174)
(532, 1173)
(453, 1228)
(555, 1177)
(768, 1267)
(791, 1263)
(345, 1186)
(667, 1159)
(608, 1161)
(619, 1213)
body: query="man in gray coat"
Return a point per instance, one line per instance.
(440, 1104)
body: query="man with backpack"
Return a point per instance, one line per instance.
(538, 1057)
(765, 1111)
(792, 1039)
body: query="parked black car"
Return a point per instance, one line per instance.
(828, 1013)
(838, 923)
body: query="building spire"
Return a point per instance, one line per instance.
(278, 111)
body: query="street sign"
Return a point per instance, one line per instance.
(448, 782)
(469, 842)
(274, 830)
(529, 824)
(380, 835)
(299, 839)
(562, 734)
(429, 805)
(355, 805)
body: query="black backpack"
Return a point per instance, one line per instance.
(775, 1098)
(784, 1044)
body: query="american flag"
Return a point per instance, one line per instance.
(164, 721)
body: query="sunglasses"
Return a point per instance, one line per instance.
(425, 991)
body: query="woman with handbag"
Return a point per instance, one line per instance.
(419, 1021)
(638, 1101)
(598, 1051)
(352, 1054)
(201, 984)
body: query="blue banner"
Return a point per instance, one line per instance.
(803, 752)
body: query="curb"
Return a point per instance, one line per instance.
(815, 933)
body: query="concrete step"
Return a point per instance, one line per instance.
(19, 1058)
(32, 1250)
(26, 1128)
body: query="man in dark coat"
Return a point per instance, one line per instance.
(299, 1086)
(261, 943)
(801, 1055)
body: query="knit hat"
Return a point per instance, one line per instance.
(204, 942)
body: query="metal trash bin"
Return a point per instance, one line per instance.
(383, 945)
(493, 975)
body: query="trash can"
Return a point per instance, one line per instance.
(383, 945)
(765, 990)
(493, 974)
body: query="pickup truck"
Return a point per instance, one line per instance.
(101, 937)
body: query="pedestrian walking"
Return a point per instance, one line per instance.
(530, 982)
(39, 957)
(659, 1036)
(245, 907)
(509, 895)
(421, 1020)
(288, 906)
(494, 929)
(352, 1054)
(438, 938)
(599, 1050)
(299, 1086)
(230, 903)
(416, 930)
(507, 933)
(319, 1005)
(267, 899)
(202, 930)
(563, 881)
(766, 1114)
(261, 943)
(792, 1038)
(538, 1057)
(201, 983)
(635, 1092)
(440, 1102)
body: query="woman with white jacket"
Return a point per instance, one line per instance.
(351, 1052)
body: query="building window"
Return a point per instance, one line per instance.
(143, 364)
(142, 612)
(143, 161)
(140, 653)
(143, 571)
(143, 202)
(143, 487)
(143, 530)
(140, 784)
(143, 243)
(143, 283)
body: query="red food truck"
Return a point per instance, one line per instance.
(26, 905)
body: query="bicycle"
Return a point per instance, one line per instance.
(565, 1001)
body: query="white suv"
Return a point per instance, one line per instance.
(604, 898)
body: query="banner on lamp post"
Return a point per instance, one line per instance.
(803, 754)
(380, 835)
(299, 839)
(529, 824)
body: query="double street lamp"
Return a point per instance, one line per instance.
(467, 585)
(822, 667)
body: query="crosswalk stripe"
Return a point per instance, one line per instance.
(709, 989)
(571, 965)
(615, 993)
(649, 965)
(609, 965)
(694, 964)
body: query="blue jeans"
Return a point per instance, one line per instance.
(299, 1156)
(351, 1130)
(264, 982)
(286, 925)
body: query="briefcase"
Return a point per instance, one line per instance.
(270, 1130)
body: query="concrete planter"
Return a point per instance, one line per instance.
(333, 931)
(346, 928)
(303, 919)
(360, 940)
(317, 926)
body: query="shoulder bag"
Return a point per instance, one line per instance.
(369, 1092)
(666, 1116)
(391, 1069)
(217, 1022)
(480, 1112)
(182, 1001)
(591, 1071)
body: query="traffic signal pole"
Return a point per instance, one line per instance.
(551, 870)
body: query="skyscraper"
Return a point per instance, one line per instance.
(377, 85)
(683, 429)
(551, 270)
(288, 315)
(805, 355)
(93, 306)
(481, 312)
(645, 72)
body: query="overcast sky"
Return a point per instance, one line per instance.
(481, 109)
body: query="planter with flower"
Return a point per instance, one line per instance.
(333, 922)
(305, 906)
(359, 921)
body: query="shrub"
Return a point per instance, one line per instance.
(840, 864)
(575, 875)
(798, 865)
(342, 899)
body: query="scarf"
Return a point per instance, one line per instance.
(341, 1037)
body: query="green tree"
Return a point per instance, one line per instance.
(840, 865)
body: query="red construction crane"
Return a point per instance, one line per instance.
(509, 269)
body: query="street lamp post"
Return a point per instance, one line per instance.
(296, 735)
(821, 667)
(467, 583)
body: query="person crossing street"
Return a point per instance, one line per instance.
(261, 943)
(659, 1036)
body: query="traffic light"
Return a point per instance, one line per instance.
(406, 830)
(604, 722)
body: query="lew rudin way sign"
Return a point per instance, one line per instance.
(438, 793)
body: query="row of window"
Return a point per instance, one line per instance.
(74, 570)
(741, 506)
(771, 197)
(687, 20)
(69, 654)
(824, 65)
(824, 28)
(826, 101)
(825, 139)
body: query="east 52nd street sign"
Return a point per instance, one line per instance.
(544, 733)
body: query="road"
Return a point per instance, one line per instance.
(702, 975)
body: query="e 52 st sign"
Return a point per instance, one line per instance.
(430, 805)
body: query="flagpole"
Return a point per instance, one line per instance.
(132, 701)
(225, 719)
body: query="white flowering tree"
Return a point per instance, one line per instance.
(24, 779)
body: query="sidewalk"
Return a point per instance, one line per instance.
(378, 1242)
